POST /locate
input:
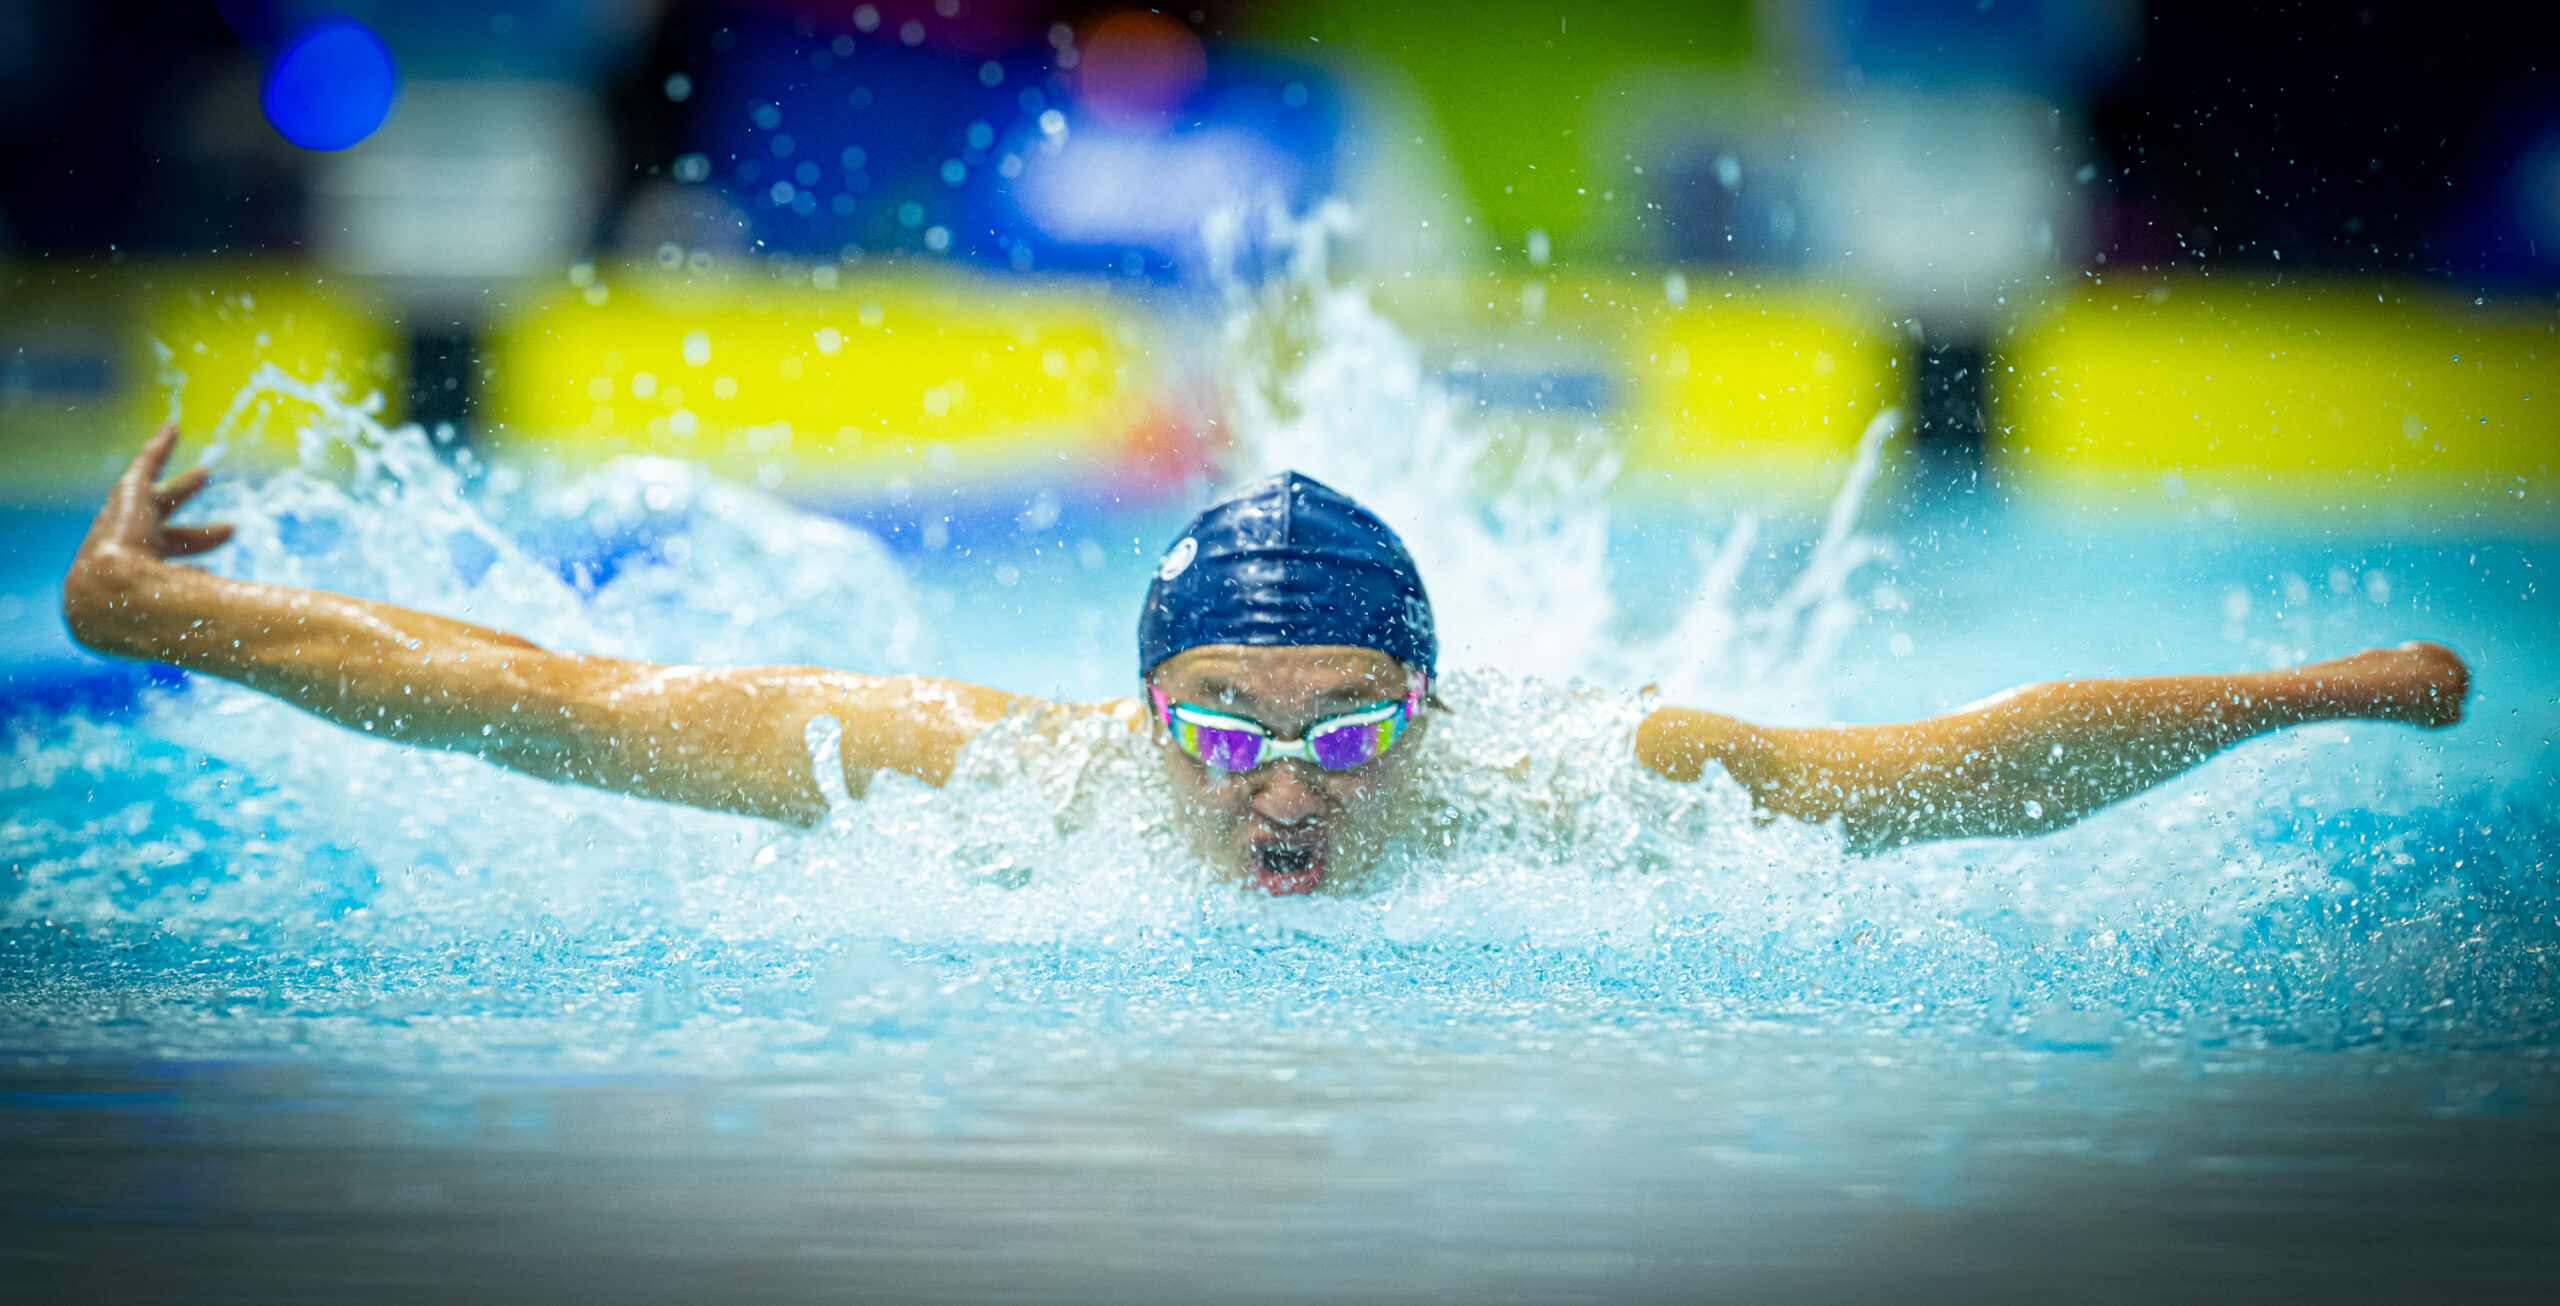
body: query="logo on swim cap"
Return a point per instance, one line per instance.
(1177, 558)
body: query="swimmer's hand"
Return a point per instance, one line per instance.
(2420, 683)
(136, 516)
(2040, 757)
(130, 541)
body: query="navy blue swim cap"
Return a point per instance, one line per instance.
(1288, 561)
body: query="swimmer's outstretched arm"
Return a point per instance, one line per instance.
(725, 738)
(2043, 756)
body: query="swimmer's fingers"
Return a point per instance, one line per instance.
(187, 541)
(2420, 683)
(134, 520)
(2442, 681)
(135, 506)
(148, 464)
(130, 518)
(174, 492)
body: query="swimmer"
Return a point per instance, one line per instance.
(1286, 656)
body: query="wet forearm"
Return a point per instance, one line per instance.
(2037, 758)
(2044, 756)
(2041, 757)
(393, 671)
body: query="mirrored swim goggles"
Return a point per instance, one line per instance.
(1336, 743)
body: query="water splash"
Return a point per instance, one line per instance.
(1508, 516)
(404, 906)
(642, 557)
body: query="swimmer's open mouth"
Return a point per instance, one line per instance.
(1285, 864)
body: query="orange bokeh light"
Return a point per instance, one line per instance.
(1138, 67)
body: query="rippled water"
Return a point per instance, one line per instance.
(289, 1011)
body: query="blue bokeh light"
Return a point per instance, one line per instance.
(331, 85)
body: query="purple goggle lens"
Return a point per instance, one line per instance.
(1335, 743)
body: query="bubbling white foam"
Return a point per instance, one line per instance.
(700, 570)
(1508, 515)
(251, 839)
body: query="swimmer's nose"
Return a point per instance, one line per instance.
(1289, 796)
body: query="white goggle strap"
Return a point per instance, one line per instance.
(1303, 746)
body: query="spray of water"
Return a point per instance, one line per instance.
(643, 557)
(403, 905)
(1508, 515)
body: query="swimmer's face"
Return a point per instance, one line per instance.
(1288, 825)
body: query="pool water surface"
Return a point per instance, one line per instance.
(290, 1013)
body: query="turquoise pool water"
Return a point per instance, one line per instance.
(290, 1013)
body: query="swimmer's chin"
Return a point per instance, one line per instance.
(1288, 864)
